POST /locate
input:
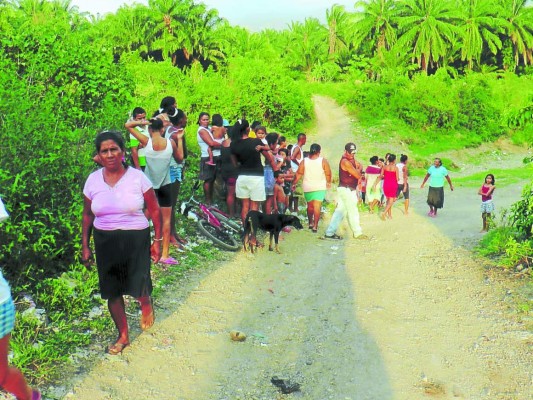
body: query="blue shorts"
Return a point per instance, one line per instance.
(7, 317)
(270, 182)
(176, 173)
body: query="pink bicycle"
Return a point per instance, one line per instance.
(213, 223)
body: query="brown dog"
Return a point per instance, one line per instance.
(272, 223)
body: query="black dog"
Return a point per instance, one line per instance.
(273, 223)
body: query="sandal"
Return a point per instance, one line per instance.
(169, 261)
(117, 348)
(314, 230)
(334, 236)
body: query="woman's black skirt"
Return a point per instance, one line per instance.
(123, 261)
(436, 197)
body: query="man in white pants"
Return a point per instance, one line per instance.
(349, 175)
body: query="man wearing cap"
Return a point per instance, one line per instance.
(349, 175)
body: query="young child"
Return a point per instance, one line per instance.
(487, 206)
(218, 131)
(286, 170)
(281, 200)
(137, 151)
(361, 189)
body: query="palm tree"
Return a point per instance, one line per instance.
(338, 21)
(427, 30)
(169, 17)
(480, 28)
(129, 29)
(376, 23)
(202, 39)
(308, 43)
(520, 29)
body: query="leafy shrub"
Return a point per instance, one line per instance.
(522, 213)
(57, 92)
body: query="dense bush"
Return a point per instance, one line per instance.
(56, 92)
(244, 89)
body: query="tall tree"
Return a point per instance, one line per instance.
(376, 23)
(338, 21)
(480, 27)
(169, 17)
(308, 43)
(520, 30)
(427, 29)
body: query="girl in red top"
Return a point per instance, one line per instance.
(487, 205)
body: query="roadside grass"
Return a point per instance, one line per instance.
(61, 326)
(504, 177)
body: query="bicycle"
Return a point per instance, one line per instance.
(213, 223)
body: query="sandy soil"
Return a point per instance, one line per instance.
(408, 314)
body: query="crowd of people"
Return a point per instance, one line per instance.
(258, 171)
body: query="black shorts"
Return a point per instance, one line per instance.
(164, 195)
(123, 262)
(208, 172)
(400, 190)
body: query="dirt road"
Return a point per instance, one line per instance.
(408, 314)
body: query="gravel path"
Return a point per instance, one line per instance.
(408, 314)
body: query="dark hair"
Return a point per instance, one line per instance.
(382, 159)
(286, 151)
(300, 135)
(202, 114)
(272, 138)
(137, 110)
(276, 174)
(315, 148)
(391, 157)
(374, 159)
(178, 117)
(255, 124)
(289, 147)
(166, 106)
(439, 160)
(217, 120)
(109, 135)
(282, 139)
(176, 121)
(156, 124)
(239, 129)
(493, 179)
(403, 158)
(260, 128)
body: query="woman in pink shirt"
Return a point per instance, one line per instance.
(114, 198)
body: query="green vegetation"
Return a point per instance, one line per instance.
(436, 75)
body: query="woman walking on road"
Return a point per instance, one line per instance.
(316, 174)
(114, 198)
(437, 173)
(389, 175)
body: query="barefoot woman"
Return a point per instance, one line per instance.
(114, 197)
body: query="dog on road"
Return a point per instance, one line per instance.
(272, 223)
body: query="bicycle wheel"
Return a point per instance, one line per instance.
(228, 223)
(219, 237)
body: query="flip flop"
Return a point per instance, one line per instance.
(169, 261)
(116, 348)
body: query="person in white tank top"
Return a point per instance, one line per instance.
(316, 174)
(159, 151)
